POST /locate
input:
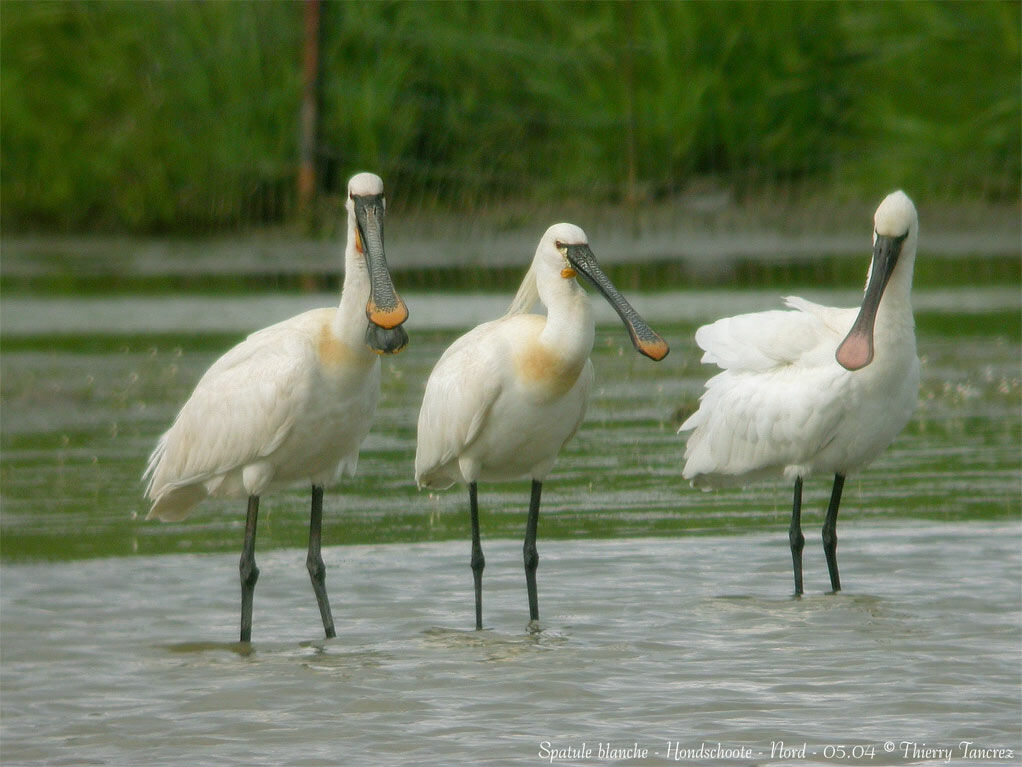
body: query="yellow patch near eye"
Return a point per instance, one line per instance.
(567, 272)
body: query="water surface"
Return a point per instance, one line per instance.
(83, 408)
(667, 621)
(690, 640)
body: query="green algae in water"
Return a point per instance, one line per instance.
(81, 414)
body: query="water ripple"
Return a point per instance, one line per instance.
(687, 640)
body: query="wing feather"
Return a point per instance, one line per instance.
(764, 411)
(459, 394)
(242, 409)
(765, 340)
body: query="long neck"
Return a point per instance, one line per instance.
(350, 321)
(896, 304)
(895, 325)
(569, 326)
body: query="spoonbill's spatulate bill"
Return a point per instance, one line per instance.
(291, 402)
(505, 397)
(816, 389)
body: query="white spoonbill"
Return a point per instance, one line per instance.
(816, 389)
(291, 402)
(505, 397)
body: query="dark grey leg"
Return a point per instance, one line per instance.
(478, 560)
(531, 556)
(830, 532)
(795, 537)
(247, 567)
(314, 562)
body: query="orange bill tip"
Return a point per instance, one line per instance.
(655, 350)
(387, 318)
(382, 353)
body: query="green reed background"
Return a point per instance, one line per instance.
(183, 116)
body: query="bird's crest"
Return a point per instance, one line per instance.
(527, 295)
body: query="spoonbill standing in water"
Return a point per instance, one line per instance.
(508, 395)
(816, 389)
(291, 402)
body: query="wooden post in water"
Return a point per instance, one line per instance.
(309, 109)
(628, 92)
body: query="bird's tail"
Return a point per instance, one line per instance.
(149, 475)
(170, 502)
(175, 503)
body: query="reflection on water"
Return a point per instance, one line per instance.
(664, 631)
(81, 414)
(688, 640)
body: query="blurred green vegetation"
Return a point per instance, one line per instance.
(183, 116)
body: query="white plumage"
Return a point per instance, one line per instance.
(505, 397)
(490, 412)
(814, 389)
(292, 401)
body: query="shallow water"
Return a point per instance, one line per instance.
(683, 641)
(666, 616)
(82, 408)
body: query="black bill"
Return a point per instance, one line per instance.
(643, 338)
(856, 351)
(385, 309)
